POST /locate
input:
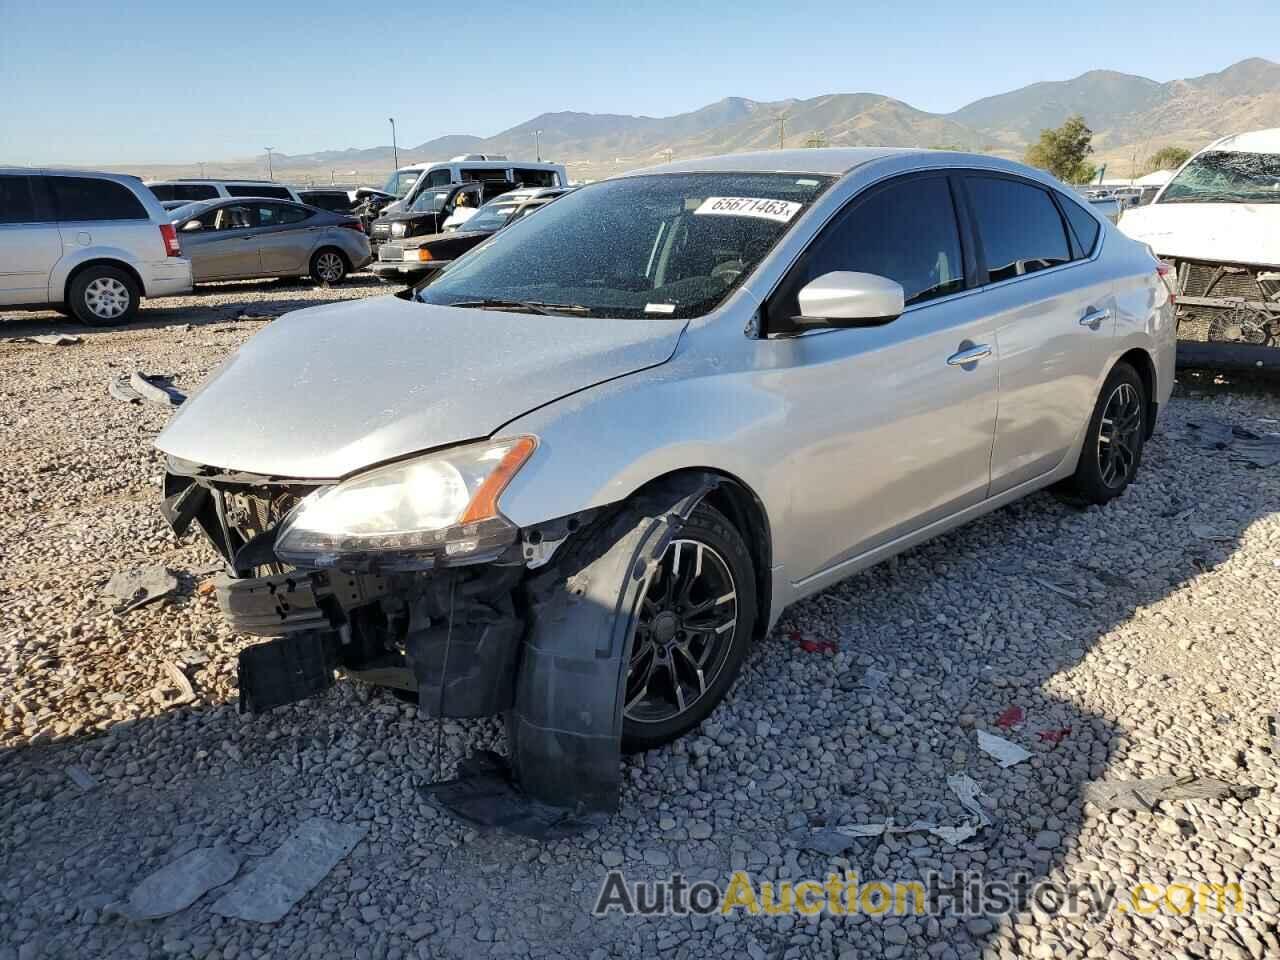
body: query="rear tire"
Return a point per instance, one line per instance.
(1113, 443)
(103, 296)
(328, 266)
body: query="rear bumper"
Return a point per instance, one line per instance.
(168, 277)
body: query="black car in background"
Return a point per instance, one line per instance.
(329, 198)
(432, 207)
(412, 259)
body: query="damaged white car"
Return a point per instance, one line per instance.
(572, 479)
(1217, 221)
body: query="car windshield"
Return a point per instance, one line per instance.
(400, 182)
(661, 245)
(492, 216)
(1224, 176)
(189, 210)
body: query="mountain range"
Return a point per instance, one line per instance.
(1131, 117)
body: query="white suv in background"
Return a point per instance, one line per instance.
(88, 244)
(192, 189)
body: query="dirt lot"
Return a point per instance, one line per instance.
(1138, 640)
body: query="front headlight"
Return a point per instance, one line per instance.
(428, 511)
(397, 228)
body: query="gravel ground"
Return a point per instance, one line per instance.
(1147, 627)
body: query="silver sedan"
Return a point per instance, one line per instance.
(575, 477)
(243, 238)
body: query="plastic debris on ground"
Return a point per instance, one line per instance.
(139, 585)
(1205, 532)
(181, 883)
(835, 840)
(178, 680)
(1147, 794)
(136, 387)
(48, 339)
(1011, 717)
(484, 794)
(1056, 735)
(289, 873)
(1062, 591)
(82, 778)
(1250, 447)
(1005, 752)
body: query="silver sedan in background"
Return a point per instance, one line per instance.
(572, 479)
(244, 238)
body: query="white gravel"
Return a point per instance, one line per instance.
(1165, 662)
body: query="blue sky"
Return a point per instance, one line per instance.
(91, 82)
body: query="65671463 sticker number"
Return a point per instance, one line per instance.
(761, 207)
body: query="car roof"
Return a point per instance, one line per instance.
(70, 172)
(265, 183)
(823, 161)
(1255, 141)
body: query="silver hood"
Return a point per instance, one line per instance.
(326, 391)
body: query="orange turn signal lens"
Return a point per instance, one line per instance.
(484, 505)
(424, 254)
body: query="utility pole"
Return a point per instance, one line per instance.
(782, 132)
(270, 175)
(537, 144)
(395, 151)
(201, 169)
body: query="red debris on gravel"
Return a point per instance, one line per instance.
(1055, 736)
(812, 646)
(1011, 716)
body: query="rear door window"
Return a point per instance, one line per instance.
(535, 178)
(251, 190)
(184, 191)
(88, 198)
(1019, 226)
(17, 205)
(280, 214)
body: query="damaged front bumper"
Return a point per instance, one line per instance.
(458, 638)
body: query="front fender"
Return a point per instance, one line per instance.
(599, 446)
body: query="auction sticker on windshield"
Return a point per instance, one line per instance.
(762, 207)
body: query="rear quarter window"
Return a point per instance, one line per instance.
(16, 203)
(1083, 225)
(88, 198)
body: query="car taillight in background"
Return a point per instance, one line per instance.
(352, 225)
(171, 245)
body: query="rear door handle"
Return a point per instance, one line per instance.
(969, 355)
(1093, 319)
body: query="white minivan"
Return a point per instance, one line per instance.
(89, 244)
(192, 189)
(407, 182)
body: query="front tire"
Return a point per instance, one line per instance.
(328, 266)
(1113, 444)
(691, 633)
(102, 296)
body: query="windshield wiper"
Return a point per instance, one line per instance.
(528, 306)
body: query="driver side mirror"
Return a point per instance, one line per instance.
(192, 225)
(843, 298)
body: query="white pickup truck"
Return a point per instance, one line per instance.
(1218, 222)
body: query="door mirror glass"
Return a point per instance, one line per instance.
(844, 298)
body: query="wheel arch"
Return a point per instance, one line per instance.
(746, 511)
(1142, 362)
(80, 268)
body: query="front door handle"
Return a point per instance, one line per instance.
(1093, 319)
(969, 355)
